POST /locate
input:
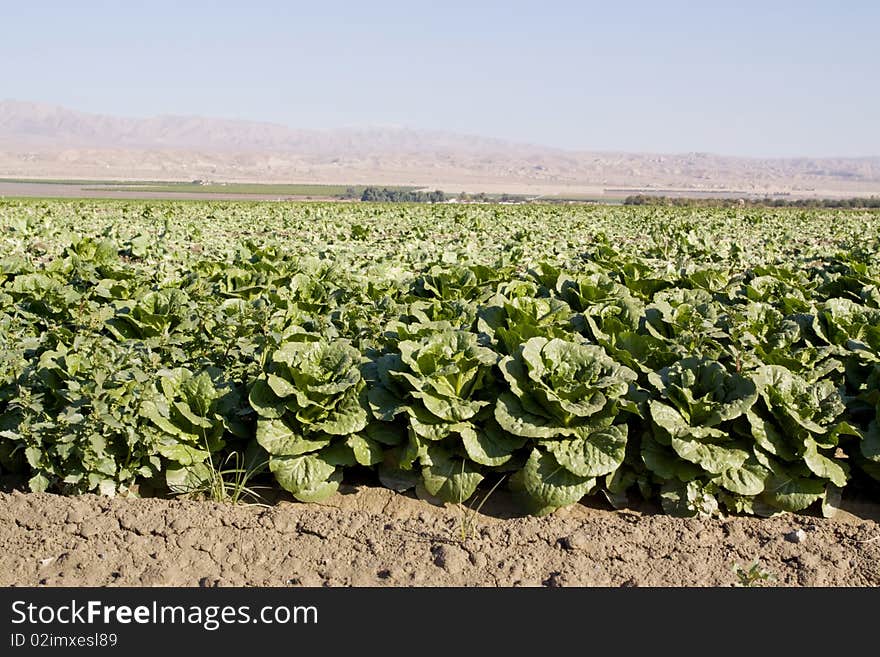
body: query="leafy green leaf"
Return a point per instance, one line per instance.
(549, 486)
(591, 454)
(449, 478)
(792, 493)
(824, 467)
(279, 439)
(308, 477)
(490, 445)
(366, 451)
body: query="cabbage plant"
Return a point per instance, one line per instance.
(691, 438)
(442, 387)
(312, 412)
(566, 397)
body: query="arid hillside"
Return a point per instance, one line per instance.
(54, 142)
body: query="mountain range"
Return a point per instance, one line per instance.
(46, 141)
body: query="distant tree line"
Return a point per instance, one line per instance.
(647, 199)
(482, 197)
(385, 195)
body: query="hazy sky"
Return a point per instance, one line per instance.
(744, 78)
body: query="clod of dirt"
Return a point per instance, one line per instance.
(576, 541)
(98, 525)
(75, 516)
(180, 524)
(797, 536)
(554, 580)
(450, 558)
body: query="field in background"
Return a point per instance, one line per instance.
(319, 191)
(246, 191)
(61, 188)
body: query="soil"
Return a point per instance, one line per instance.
(369, 536)
(78, 191)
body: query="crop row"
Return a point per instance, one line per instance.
(750, 386)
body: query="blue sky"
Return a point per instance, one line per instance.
(742, 78)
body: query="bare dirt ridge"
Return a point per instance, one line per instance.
(374, 537)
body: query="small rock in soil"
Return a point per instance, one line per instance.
(797, 536)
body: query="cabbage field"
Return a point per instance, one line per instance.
(715, 360)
